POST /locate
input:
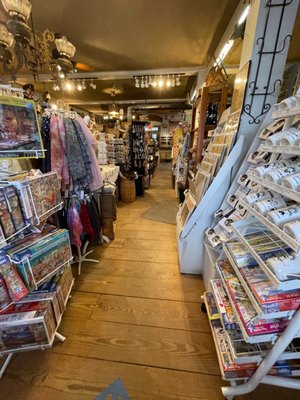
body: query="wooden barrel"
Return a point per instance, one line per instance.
(127, 190)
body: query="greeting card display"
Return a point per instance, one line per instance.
(19, 129)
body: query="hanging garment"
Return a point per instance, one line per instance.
(45, 165)
(94, 217)
(86, 222)
(65, 168)
(84, 150)
(98, 179)
(75, 226)
(77, 167)
(56, 148)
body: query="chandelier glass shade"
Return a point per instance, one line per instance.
(157, 81)
(21, 46)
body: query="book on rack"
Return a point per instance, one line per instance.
(247, 313)
(270, 298)
(225, 310)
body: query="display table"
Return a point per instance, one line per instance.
(110, 172)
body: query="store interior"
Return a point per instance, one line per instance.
(149, 199)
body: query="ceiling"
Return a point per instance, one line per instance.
(135, 35)
(113, 35)
(122, 38)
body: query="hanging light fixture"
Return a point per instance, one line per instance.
(31, 49)
(137, 82)
(168, 83)
(173, 81)
(177, 81)
(160, 82)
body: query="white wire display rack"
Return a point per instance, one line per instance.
(266, 349)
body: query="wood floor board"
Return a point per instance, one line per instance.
(156, 347)
(59, 377)
(158, 313)
(184, 290)
(144, 244)
(134, 255)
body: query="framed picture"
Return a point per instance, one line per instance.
(239, 89)
(20, 135)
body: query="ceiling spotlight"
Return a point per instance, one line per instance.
(154, 84)
(133, 117)
(93, 85)
(168, 83)
(142, 83)
(62, 75)
(146, 82)
(178, 80)
(79, 86)
(173, 81)
(137, 82)
(83, 84)
(69, 86)
(160, 82)
(150, 81)
(58, 67)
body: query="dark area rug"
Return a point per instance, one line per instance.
(164, 211)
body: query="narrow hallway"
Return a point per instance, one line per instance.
(132, 316)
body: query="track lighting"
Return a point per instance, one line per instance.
(93, 85)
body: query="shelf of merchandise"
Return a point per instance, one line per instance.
(292, 243)
(280, 285)
(254, 301)
(220, 304)
(290, 112)
(292, 194)
(289, 150)
(248, 339)
(221, 360)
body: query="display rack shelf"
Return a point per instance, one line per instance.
(228, 322)
(252, 223)
(225, 371)
(289, 150)
(260, 313)
(290, 112)
(292, 194)
(292, 243)
(247, 338)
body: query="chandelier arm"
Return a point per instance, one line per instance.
(14, 69)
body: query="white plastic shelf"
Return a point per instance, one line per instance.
(248, 339)
(291, 150)
(252, 223)
(286, 192)
(292, 243)
(290, 112)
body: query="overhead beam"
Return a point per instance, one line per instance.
(111, 75)
(133, 102)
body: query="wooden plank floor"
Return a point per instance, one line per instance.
(132, 316)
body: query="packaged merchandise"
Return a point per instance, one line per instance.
(14, 284)
(276, 175)
(211, 306)
(26, 326)
(262, 170)
(288, 136)
(252, 198)
(223, 304)
(292, 182)
(284, 215)
(36, 263)
(264, 206)
(293, 229)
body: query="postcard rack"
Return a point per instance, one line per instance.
(260, 300)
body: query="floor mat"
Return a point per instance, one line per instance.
(164, 211)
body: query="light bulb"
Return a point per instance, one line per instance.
(177, 80)
(83, 84)
(154, 84)
(142, 83)
(173, 81)
(168, 83)
(137, 82)
(150, 81)
(79, 87)
(58, 67)
(69, 86)
(62, 75)
(133, 117)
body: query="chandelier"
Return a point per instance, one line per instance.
(157, 81)
(21, 46)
